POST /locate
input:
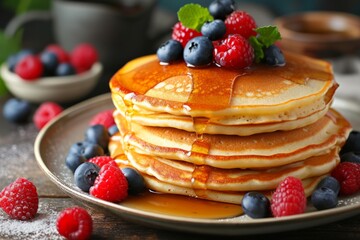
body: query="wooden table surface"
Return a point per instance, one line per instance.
(17, 160)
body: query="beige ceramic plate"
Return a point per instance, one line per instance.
(53, 142)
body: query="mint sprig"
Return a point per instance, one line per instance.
(193, 16)
(266, 37)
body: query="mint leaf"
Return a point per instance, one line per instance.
(194, 16)
(258, 49)
(268, 35)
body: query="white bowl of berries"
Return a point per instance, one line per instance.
(52, 75)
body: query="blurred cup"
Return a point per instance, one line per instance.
(119, 29)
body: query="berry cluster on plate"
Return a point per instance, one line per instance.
(52, 61)
(222, 35)
(289, 197)
(97, 173)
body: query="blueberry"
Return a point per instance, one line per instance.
(50, 62)
(15, 58)
(113, 130)
(80, 152)
(16, 110)
(97, 134)
(324, 198)
(170, 51)
(199, 51)
(219, 9)
(11, 62)
(329, 182)
(92, 150)
(87, 149)
(74, 160)
(85, 175)
(274, 56)
(213, 30)
(77, 147)
(256, 205)
(135, 180)
(351, 157)
(352, 144)
(65, 69)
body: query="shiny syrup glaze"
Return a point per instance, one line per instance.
(213, 86)
(182, 206)
(212, 90)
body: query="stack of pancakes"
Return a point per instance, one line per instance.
(216, 133)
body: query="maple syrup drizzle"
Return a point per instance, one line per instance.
(182, 206)
(200, 145)
(199, 179)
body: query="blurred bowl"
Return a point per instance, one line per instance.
(57, 89)
(320, 34)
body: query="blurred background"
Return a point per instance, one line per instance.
(134, 27)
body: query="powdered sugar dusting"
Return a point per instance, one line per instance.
(349, 201)
(43, 226)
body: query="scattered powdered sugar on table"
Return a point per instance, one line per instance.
(43, 226)
(350, 201)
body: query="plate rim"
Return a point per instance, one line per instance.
(169, 221)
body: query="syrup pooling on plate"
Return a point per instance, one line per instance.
(182, 206)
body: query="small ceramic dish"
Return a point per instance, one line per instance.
(320, 33)
(58, 89)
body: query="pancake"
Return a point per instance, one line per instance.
(192, 124)
(302, 91)
(204, 177)
(235, 197)
(309, 185)
(224, 151)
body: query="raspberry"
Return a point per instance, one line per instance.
(289, 198)
(29, 68)
(74, 223)
(111, 184)
(61, 54)
(240, 22)
(20, 199)
(45, 112)
(102, 160)
(83, 57)
(105, 118)
(183, 34)
(348, 175)
(235, 51)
